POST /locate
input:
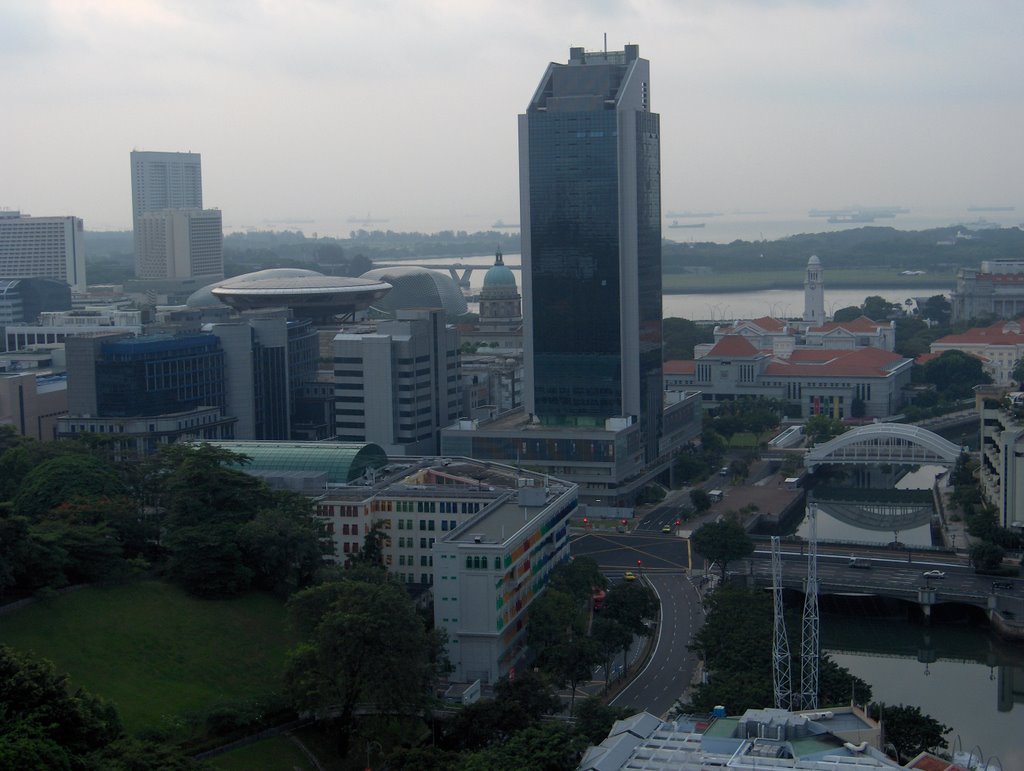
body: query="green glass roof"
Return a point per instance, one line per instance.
(343, 463)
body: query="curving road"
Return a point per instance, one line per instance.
(670, 668)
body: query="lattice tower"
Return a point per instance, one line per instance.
(810, 649)
(780, 642)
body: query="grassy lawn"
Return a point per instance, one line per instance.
(835, 278)
(152, 650)
(273, 754)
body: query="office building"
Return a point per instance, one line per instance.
(32, 401)
(590, 211)
(179, 244)
(147, 390)
(590, 198)
(44, 247)
(397, 382)
(57, 326)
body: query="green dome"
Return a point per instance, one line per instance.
(499, 275)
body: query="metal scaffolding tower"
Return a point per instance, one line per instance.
(780, 643)
(810, 648)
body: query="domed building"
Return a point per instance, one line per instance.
(500, 301)
(415, 287)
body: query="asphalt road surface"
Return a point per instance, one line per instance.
(669, 670)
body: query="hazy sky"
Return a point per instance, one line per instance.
(326, 110)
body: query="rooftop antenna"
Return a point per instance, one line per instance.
(605, 43)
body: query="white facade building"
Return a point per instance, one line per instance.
(50, 247)
(1002, 454)
(179, 243)
(397, 382)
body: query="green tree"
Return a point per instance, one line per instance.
(954, 374)
(910, 731)
(201, 486)
(41, 718)
(937, 308)
(1018, 372)
(579, 578)
(283, 546)
(551, 746)
(722, 542)
(369, 646)
(594, 718)
(611, 638)
(206, 560)
(631, 605)
(679, 336)
(847, 314)
(878, 308)
(987, 556)
(700, 499)
(821, 428)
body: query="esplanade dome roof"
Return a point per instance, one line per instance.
(499, 275)
(418, 287)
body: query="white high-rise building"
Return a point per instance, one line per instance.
(179, 243)
(174, 236)
(165, 181)
(47, 247)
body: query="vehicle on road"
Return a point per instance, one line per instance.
(934, 574)
(1002, 585)
(724, 471)
(629, 575)
(864, 563)
(666, 528)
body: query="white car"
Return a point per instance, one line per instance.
(934, 574)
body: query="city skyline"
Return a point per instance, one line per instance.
(321, 116)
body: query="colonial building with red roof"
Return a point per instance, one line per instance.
(999, 346)
(813, 380)
(781, 337)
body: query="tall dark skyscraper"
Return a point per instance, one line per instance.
(590, 196)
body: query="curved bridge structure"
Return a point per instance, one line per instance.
(894, 443)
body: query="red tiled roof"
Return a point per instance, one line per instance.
(928, 762)
(769, 324)
(859, 324)
(991, 335)
(733, 345)
(679, 367)
(859, 362)
(764, 324)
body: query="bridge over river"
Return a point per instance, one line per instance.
(901, 576)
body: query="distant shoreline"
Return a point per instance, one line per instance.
(875, 278)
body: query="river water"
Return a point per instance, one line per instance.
(720, 306)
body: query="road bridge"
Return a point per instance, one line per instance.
(901, 578)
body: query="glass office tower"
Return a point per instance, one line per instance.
(590, 196)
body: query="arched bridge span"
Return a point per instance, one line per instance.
(884, 443)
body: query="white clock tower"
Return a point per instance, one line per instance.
(814, 292)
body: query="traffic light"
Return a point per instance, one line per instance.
(679, 522)
(622, 521)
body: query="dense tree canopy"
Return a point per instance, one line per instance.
(366, 645)
(954, 374)
(722, 542)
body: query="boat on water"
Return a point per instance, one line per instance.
(678, 224)
(500, 225)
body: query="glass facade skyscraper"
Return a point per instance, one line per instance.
(590, 194)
